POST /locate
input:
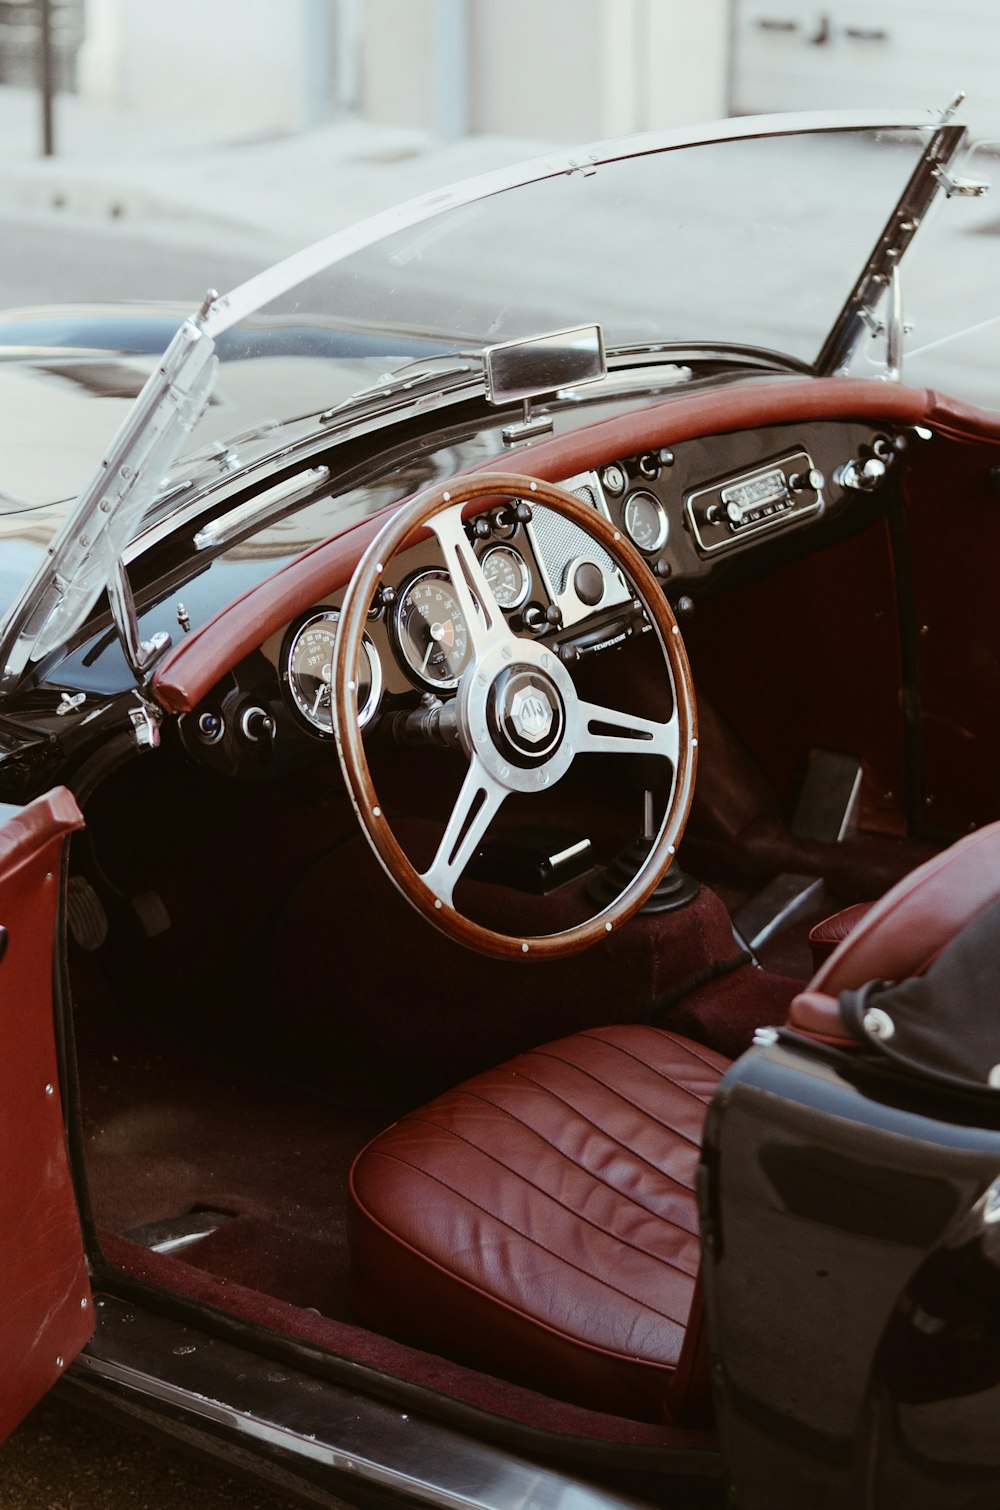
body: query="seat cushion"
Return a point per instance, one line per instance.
(540, 1220)
(904, 932)
(826, 935)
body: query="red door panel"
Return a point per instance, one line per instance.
(47, 1313)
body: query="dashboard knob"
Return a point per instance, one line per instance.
(211, 727)
(862, 476)
(256, 725)
(807, 482)
(533, 619)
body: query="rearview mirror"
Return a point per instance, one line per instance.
(520, 370)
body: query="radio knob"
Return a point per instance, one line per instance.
(807, 482)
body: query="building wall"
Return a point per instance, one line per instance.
(237, 62)
(552, 70)
(869, 54)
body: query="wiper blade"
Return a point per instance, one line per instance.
(708, 351)
(401, 379)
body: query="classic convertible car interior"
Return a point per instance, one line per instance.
(254, 1001)
(489, 783)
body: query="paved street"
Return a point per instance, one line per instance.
(66, 1459)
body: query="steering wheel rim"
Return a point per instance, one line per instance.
(497, 651)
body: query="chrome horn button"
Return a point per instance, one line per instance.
(525, 715)
(531, 714)
(517, 715)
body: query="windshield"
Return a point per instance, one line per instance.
(676, 241)
(713, 244)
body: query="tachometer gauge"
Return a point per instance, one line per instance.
(646, 521)
(308, 670)
(505, 570)
(430, 631)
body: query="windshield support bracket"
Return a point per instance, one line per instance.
(926, 181)
(139, 653)
(969, 188)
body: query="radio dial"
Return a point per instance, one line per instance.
(811, 481)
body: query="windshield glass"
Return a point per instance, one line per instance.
(746, 241)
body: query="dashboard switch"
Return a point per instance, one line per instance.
(256, 725)
(614, 479)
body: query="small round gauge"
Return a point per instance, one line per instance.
(309, 672)
(430, 630)
(646, 521)
(505, 570)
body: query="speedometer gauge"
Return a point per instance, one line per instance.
(308, 672)
(505, 570)
(646, 521)
(430, 631)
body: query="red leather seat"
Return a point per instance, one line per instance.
(826, 935)
(540, 1220)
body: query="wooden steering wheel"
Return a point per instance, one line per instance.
(520, 719)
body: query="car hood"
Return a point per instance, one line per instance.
(670, 243)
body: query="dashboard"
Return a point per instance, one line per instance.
(700, 512)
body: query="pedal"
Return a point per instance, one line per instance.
(85, 915)
(782, 902)
(151, 910)
(830, 800)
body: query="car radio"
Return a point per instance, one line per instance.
(727, 512)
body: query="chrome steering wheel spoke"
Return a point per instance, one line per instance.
(609, 731)
(485, 622)
(477, 805)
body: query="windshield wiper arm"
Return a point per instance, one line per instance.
(397, 381)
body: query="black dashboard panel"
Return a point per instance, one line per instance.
(701, 512)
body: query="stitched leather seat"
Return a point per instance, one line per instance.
(540, 1220)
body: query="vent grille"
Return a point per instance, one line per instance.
(559, 545)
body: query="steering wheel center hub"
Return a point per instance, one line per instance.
(526, 715)
(518, 710)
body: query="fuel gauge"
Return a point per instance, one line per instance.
(646, 521)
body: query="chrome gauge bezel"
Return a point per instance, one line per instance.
(400, 642)
(299, 705)
(521, 567)
(663, 520)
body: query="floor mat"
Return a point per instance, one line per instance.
(275, 1160)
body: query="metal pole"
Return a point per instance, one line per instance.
(450, 64)
(46, 75)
